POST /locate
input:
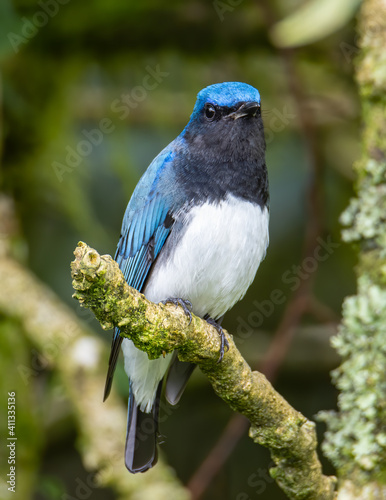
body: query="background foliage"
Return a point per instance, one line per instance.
(68, 69)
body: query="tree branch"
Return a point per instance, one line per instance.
(157, 329)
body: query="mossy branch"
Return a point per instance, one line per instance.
(157, 329)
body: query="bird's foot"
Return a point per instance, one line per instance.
(185, 304)
(220, 331)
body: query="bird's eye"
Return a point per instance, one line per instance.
(210, 111)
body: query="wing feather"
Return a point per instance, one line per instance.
(145, 228)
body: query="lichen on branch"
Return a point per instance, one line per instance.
(355, 440)
(158, 328)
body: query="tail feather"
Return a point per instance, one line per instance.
(114, 353)
(177, 378)
(141, 440)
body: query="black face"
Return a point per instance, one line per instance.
(223, 151)
(233, 131)
(231, 136)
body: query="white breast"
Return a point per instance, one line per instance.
(216, 258)
(212, 263)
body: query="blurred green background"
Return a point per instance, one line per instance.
(66, 66)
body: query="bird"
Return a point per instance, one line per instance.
(194, 234)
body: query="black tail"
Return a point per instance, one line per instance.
(141, 440)
(114, 353)
(177, 378)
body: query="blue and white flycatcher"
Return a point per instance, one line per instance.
(194, 233)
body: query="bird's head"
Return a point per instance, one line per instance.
(222, 148)
(226, 102)
(226, 112)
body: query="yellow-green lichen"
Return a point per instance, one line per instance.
(356, 437)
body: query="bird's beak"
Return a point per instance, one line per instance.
(246, 109)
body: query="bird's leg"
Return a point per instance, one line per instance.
(185, 304)
(220, 331)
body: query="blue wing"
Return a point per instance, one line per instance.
(146, 225)
(142, 241)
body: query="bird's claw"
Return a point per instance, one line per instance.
(185, 304)
(224, 342)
